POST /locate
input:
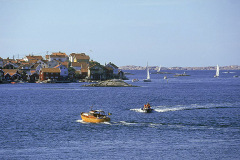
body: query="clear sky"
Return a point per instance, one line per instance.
(126, 32)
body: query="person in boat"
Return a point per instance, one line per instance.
(147, 106)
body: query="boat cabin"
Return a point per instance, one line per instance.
(97, 113)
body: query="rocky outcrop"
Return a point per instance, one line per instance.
(110, 83)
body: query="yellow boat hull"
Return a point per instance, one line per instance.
(94, 119)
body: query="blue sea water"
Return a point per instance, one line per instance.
(195, 117)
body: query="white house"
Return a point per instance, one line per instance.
(63, 70)
(58, 56)
(79, 57)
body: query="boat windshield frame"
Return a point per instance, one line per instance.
(99, 112)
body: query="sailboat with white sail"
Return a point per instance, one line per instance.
(159, 69)
(148, 76)
(217, 72)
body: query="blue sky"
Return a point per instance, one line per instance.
(126, 32)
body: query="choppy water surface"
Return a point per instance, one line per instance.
(195, 117)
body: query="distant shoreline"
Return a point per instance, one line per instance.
(133, 67)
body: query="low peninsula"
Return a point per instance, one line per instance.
(110, 83)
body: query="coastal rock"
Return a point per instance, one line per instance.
(110, 83)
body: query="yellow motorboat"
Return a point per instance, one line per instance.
(94, 116)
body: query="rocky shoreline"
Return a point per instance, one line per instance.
(110, 83)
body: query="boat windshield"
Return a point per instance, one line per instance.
(98, 112)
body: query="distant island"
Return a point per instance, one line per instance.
(133, 67)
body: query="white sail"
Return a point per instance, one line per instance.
(217, 72)
(148, 75)
(159, 69)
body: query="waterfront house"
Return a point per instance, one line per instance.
(34, 76)
(11, 74)
(49, 73)
(114, 68)
(63, 70)
(109, 73)
(96, 72)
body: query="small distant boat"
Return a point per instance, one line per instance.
(127, 73)
(184, 74)
(135, 80)
(148, 76)
(217, 72)
(147, 108)
(165, 77)
(235, 76)
(158, 71)
(95, 116)
(226, 72)
(13, 82)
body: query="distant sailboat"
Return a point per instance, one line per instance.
(148, 76)
(217, 72)
(159, 69)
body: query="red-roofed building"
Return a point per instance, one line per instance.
(58, 56)
(81, 68)
(79, 57)
(32, 59)
(49, 73)
(11, 74)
